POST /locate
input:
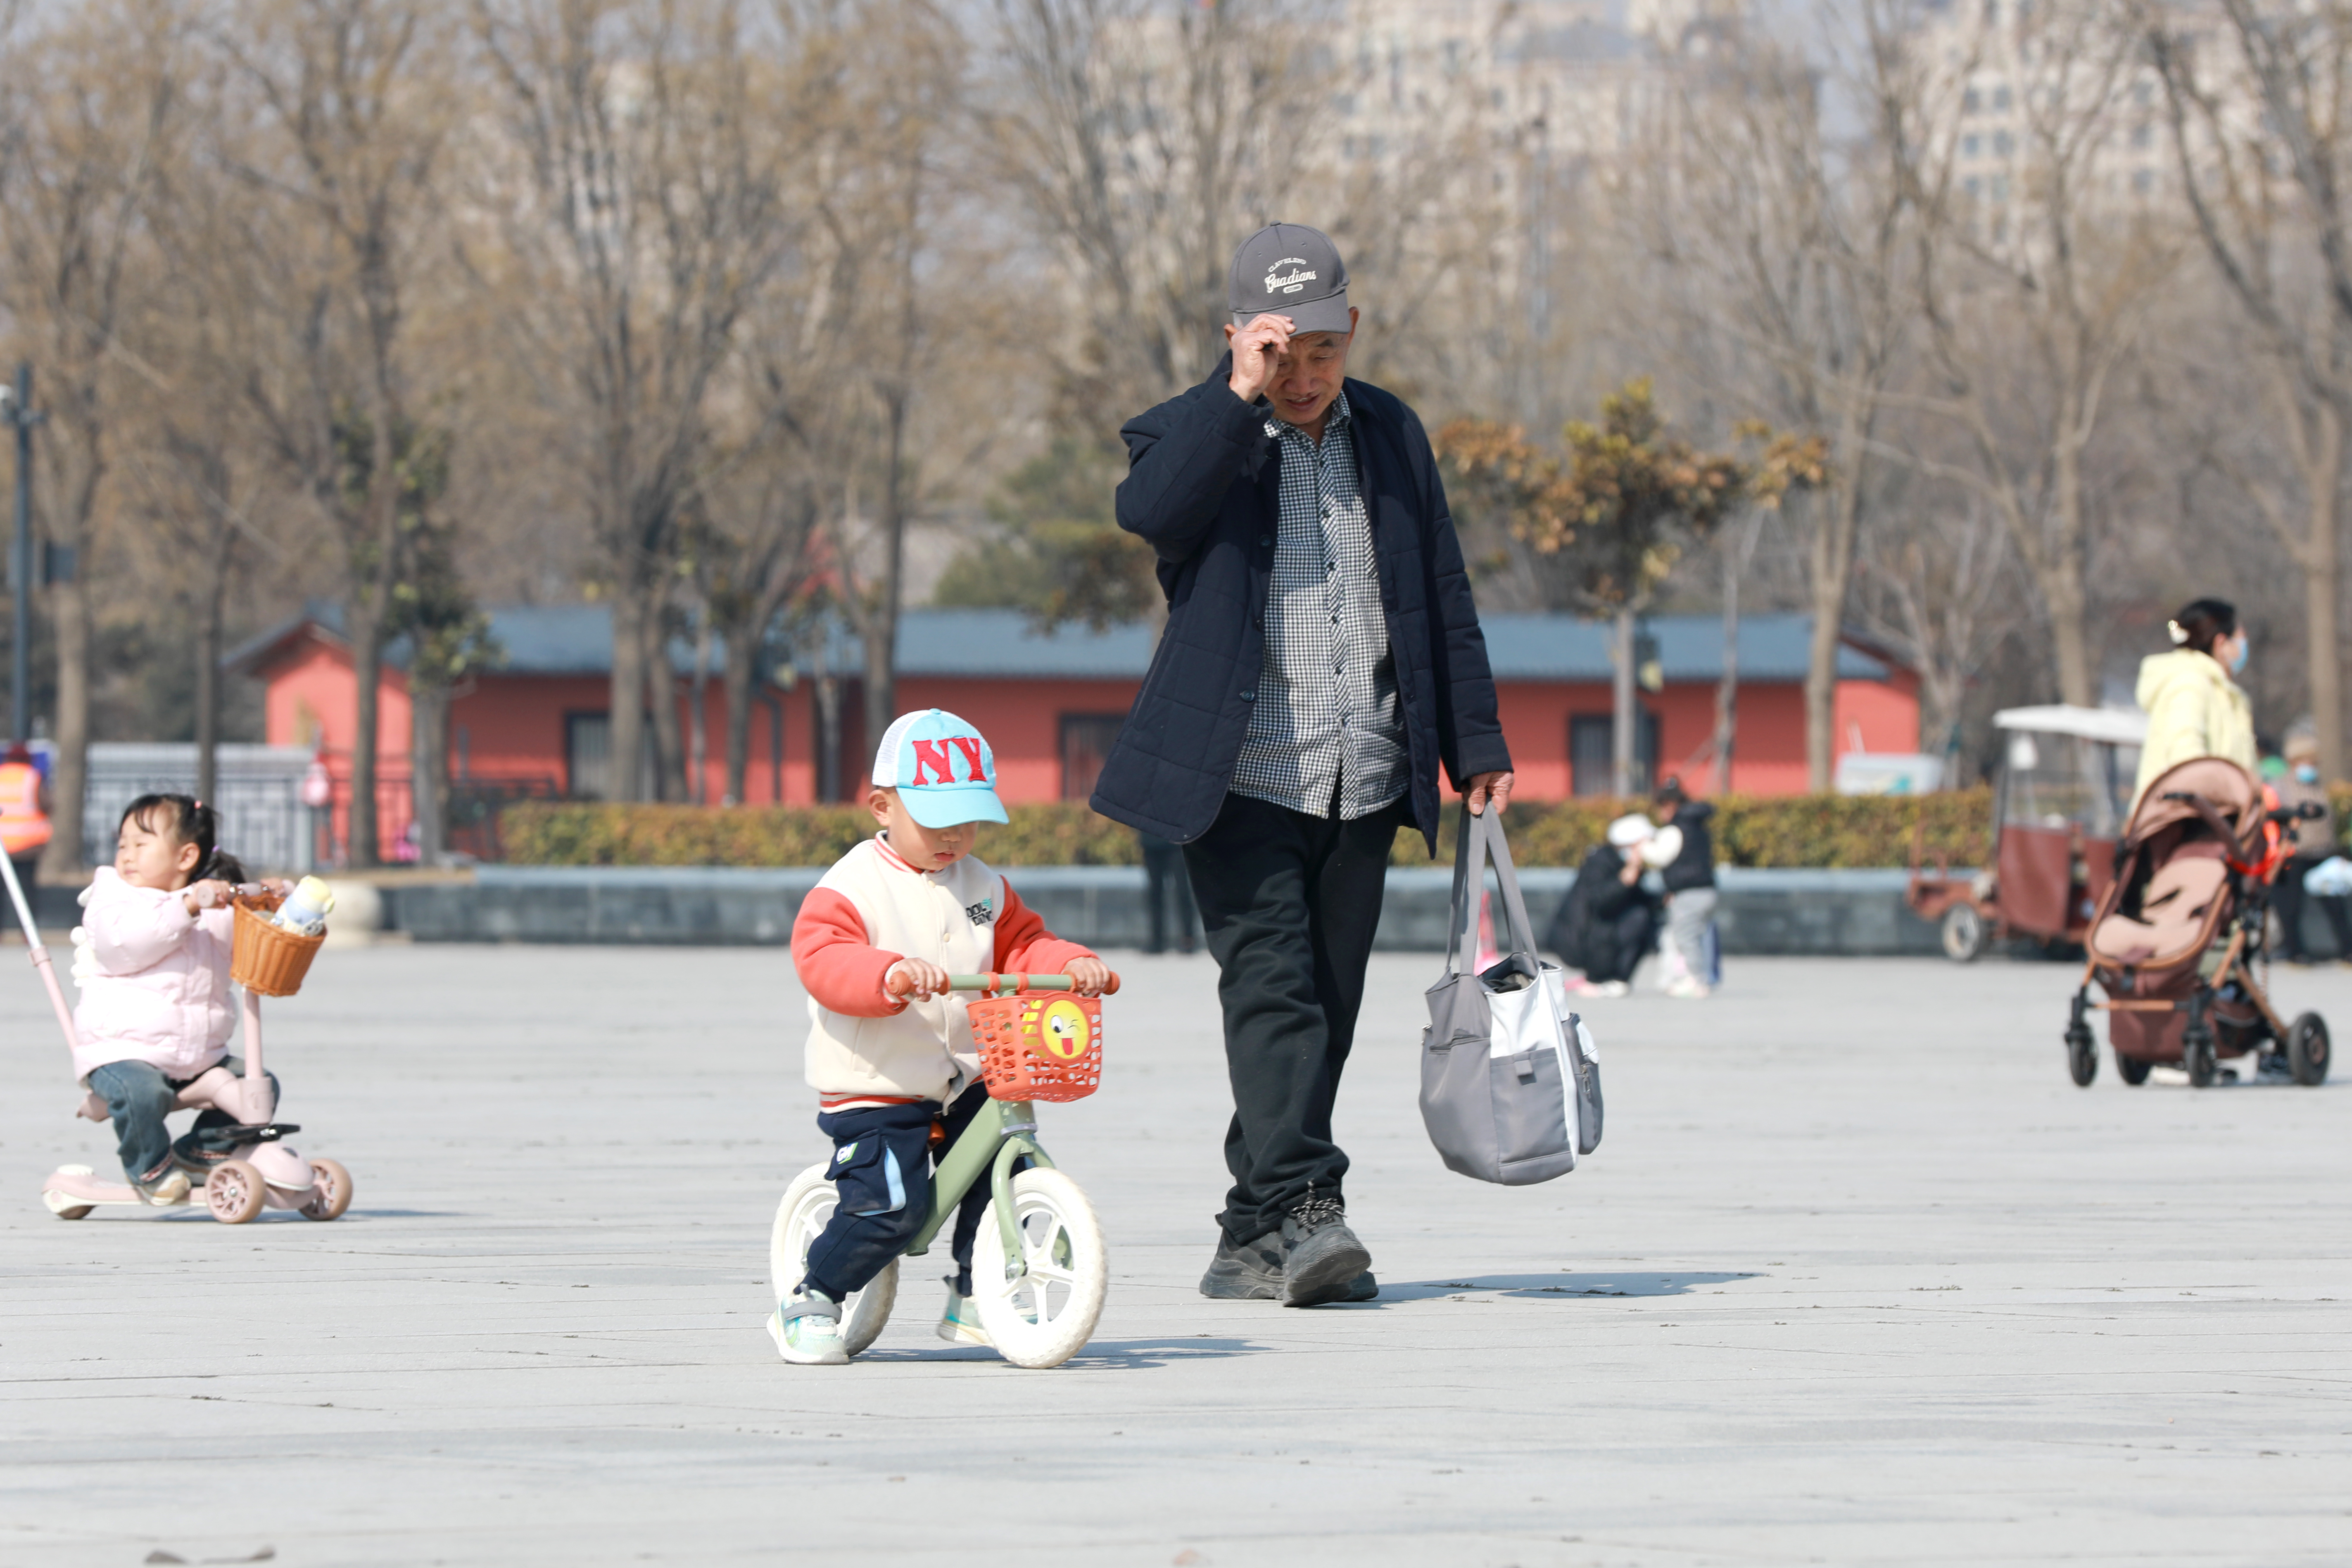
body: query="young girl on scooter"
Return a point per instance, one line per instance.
(156, 1014)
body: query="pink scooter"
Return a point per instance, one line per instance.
(261, 1172)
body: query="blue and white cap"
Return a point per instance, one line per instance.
(941, 768)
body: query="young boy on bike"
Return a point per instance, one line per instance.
(890, 1052)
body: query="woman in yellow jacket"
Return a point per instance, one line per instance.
(2194, 709)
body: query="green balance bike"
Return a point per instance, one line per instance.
(1039, 1269)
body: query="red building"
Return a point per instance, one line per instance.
(538, 724)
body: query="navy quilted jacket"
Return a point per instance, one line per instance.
(1203, 489)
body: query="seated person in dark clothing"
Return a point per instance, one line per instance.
(1609, 920)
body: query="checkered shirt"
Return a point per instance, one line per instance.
(1327, 716)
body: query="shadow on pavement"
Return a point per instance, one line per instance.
(1563, 1284)
(1108, 1355)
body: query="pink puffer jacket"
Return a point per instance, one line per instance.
(162, 991)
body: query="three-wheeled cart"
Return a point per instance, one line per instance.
(2060, 797)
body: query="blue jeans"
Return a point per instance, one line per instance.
(882, 1169)
(138, 1096)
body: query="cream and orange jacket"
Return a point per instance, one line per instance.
(868, 1047)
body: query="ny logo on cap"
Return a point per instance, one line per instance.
(935, 761)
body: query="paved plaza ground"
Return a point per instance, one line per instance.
(1858, 1278)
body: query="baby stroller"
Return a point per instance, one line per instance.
(2174, 937)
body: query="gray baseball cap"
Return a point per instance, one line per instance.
(1289, 270)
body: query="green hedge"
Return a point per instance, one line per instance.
(1780, 830)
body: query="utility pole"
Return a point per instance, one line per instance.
(16, 409)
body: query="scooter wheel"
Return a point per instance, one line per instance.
(235, 1192)
(330, 1191)
(73, 1211)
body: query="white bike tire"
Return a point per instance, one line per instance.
(807, 1205)
(1045, 1315)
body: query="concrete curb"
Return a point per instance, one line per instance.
(1762, 911)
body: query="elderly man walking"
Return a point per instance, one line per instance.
(1322, 658)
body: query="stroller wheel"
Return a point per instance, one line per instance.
(2082, 1056)
(2307, 1049)
(2132, 1069)
(2197, 1056)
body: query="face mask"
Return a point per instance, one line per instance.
(2237, 658)
(2306, 772)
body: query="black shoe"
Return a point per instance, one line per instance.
(1249, 1272)
(1321, 1256)
(2272, 1067)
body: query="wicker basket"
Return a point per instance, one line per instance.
(1036, 1046)
(268, 959)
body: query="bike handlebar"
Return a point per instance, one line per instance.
(997, 984)
(1021, 983)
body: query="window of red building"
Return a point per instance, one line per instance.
(1086, 744)
(1592, 751)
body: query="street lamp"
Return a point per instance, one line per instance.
(16, 409)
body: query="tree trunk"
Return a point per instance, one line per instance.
(2063, 595)
(208, 662)
(738, 673)
(428, 771)
(661, 699)
(365, 847)
(698, 741)
(882, 622)
(1726, 689)
(69, 771)
(2062, 591)
(626, 724)
(828, 737)
(1622, 710)
(1833, 573)
(2321, 591)
(208, 653)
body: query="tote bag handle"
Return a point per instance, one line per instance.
(1481, 841)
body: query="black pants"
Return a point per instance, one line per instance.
(1165, 884)
(1288, 903)
(1619, 944)
(882, 1170)
(2288, 895)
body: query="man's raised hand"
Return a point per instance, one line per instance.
(1258, 349)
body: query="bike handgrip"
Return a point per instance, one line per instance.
(2311, 811)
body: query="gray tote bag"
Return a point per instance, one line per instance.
(1510, 1081)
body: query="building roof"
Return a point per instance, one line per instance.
(1773, 647)
(576, 639)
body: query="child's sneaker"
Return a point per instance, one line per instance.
(171, 1187)
(807, 1330)
(959, 1323)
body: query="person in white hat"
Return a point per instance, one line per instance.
(1608, 922)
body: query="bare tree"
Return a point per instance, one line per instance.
(88, 112)
(1939, 588)
(2033, 286)
(640, 185)
(1796, 240)
(1145, 140)
(334, 116)
(2258, 124)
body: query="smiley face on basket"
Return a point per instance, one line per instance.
(1063, 1032)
